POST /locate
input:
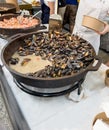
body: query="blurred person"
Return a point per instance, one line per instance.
(94, 8)
(47, 7)
(70, 13)
(15, 2)
(61, 8)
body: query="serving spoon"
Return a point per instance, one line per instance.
(35, 15)
(20, 18)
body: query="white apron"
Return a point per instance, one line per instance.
(94, 8)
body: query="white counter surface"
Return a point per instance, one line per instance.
(60, 113)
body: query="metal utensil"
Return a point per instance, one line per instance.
(21, 16)
(55, 21)
(35, 15)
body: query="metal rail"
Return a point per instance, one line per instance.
(15, 114)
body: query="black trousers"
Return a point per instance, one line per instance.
(45, 14)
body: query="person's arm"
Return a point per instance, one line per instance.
(106, 29)
(51, 6)
(15, 2)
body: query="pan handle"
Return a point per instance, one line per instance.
(95, 66)
(11, 38)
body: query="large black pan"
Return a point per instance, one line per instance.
(14, 44)
(8, 8)
(12, 31)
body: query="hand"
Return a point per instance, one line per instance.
(106, 29)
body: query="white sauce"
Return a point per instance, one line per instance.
(35, 64)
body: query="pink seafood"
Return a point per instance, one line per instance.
(17, 22)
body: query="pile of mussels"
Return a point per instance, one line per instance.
(68, 53)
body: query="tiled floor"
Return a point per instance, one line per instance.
(104, 56)
(5, 123)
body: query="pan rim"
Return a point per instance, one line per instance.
(41, 79)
